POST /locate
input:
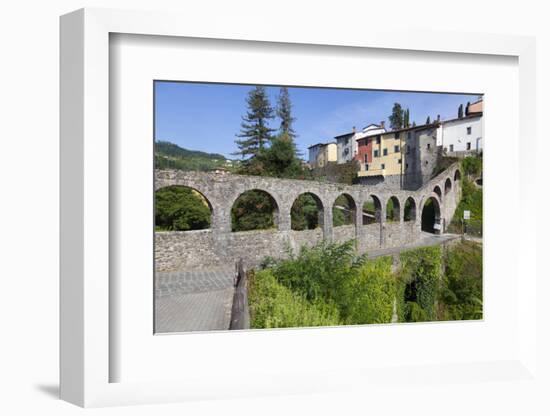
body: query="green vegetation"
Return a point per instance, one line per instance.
(333, 172)
(273, 305)
(343, 211)
(253, 210)
(329, 285)
(304, 214)
(462, 287)
(178, 208)
(171, 156)
(419, 282)
(472, 197)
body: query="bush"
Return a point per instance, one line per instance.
(273, 305)
(180, 208)
(462, 287)
(419, 283)
(320, 272)
(372, 293)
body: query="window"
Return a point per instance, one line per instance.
(468, 130)
(426, 162)
(396, 135)
(408, 135)
(406, 166)
(451, 148)
(408, 150)
(383, 166)
(429, 146)
(366, 158)
(468, 146)
(376, 153)
(396, 148)
(377, 139)
(399, 161)
(385, 152)
(366, 166)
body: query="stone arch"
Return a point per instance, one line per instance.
(409, 210)
(393, 209)
(457, 175)
(254, 209)
(372, 210)
(301, 207)
(344, 210)
(431, 215)
(437, 190)
(448, 185)
(182, 208)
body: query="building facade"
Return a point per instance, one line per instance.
(322, 153)
(464, 135)
(347, 144)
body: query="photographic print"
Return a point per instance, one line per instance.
(293, 207)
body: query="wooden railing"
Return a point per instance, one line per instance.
(240, 316)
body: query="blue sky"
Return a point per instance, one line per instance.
(207, 117)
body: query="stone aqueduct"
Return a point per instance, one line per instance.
(218, 245)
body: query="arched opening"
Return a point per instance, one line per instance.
(458, 175)
(437, 190)
(344, 211)
(306, 212)
(431, 216)
(393, 209)
(448, 186)
(372, 211)
(409, 209)
(180, 208)
(254, 210)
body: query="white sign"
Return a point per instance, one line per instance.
(466, 214)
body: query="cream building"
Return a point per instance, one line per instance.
(322, 153)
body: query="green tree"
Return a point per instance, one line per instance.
(181, 209)
(467, 108)
(396, 118)
(428, 121)
(406, 118)
(255, 131)
(253, 210)
(460, 111)
(304, 214)
(284, 112)
(280, 158)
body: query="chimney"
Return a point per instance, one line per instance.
(382, 124)
(353, 129)
(438, 117)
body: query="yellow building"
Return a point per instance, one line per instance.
(322, 153)
(383, 154)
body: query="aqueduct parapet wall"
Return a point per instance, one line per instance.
(179, 250)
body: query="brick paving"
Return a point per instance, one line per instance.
(193, 301)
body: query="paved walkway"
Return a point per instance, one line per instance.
(427, 239)
(193, 301)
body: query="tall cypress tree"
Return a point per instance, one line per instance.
(428, 120)
(396, 118)
(255, 131)
(284, 112)
(406, 118)
(460, 111)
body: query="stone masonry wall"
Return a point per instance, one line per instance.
(218, 245)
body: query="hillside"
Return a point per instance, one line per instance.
(171, 156)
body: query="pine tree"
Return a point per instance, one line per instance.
(467, 108)
(255, 131)
(428, 121)
(284, 112)
(460, 111)
(396, 118)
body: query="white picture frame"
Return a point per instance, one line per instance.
(86, 309)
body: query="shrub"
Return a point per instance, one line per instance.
(372, 293)
(462, 287)
(180, 208)
(419, 283)
(273, 305)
